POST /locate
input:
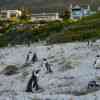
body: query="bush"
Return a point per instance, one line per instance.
(55, 26)
(3, 41)
(65, 37)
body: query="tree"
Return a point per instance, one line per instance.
(26, 13)
(66, 14)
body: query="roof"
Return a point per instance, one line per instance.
(80, 6)
(44, 14)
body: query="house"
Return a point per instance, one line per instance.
(10, 14)
(77, 12)
(45, 17)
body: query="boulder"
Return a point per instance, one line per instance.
(10, 70)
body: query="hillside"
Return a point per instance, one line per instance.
(45, 3)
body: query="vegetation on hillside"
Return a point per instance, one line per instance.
(26, 32)
(83, 29)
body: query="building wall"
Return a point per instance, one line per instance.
(13, 12)
(9, 14)
(45, 17)
(79, 12)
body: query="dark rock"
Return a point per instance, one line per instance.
(98, 55)
(10, 70)
(93, 84)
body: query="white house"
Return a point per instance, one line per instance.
(78, 12)
(45, 17)
(8, 14)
